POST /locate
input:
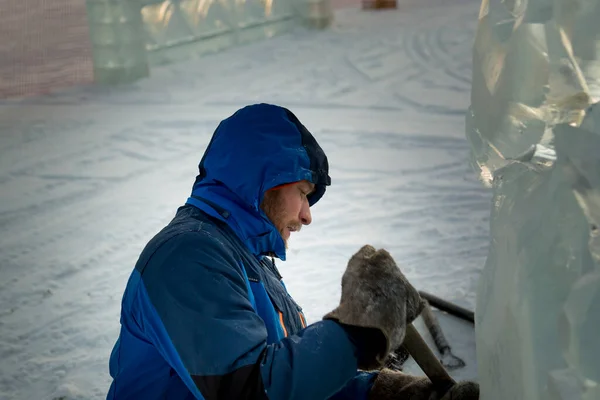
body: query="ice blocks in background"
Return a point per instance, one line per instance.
(129, 37)
(535, 135)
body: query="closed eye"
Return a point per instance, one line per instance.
(306, 193)
(306, 189)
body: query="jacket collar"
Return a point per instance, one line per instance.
(252, 226)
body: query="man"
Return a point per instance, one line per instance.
(205, 314)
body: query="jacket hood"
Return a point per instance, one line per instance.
(259, 147)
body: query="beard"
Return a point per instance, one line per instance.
(274, 208)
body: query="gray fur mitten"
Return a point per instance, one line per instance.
(393, 385)
(376, 294)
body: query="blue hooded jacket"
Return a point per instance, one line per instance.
(205, 313)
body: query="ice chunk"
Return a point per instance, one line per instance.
(564, 385)
(534, 128)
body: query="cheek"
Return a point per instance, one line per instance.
(289, 211)
(295, 208)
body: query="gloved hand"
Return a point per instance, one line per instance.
(376, 295)
(392, 385)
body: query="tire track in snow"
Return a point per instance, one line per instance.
(450, 42)
(434, 48)
(363, 67)
(429, 48)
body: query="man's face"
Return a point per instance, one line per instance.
(287, 207)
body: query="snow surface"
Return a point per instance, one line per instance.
(89, 176)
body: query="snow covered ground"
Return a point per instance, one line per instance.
(88, 176)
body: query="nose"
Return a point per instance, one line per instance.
(305, 216)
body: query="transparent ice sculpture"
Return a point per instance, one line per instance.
(534, 128)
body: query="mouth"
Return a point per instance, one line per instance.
(294, 228)
(290, 229)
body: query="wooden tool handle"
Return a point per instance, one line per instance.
(431, 366)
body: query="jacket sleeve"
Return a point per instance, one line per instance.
(196, 310)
